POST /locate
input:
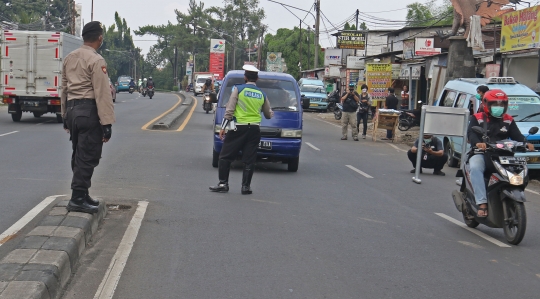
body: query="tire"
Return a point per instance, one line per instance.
(16, 117)
(59, 119)
(292, 166)
(215, 159)
(37, 114)
(515, 231)
(404, 125)
(337, 115)
(469, 222)
(150, 97)
(452, 161)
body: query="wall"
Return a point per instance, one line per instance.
(524, 70)
(420, 32)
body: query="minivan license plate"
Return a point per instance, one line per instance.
(265, 145)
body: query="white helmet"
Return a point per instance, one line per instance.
(144, 79)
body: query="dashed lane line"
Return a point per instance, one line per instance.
(474, 231)
(397, 148)
(534, 192)
(15, 228)
(359, 171)
(313, 147)
(1, 135)
(116, 267)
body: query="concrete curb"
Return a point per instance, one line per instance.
(169, 120)
(41, 265)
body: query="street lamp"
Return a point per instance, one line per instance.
(132, 56)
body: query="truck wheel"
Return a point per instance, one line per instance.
(292, 166)
(16, 117)
(37, 114)
(59, 118)
(215, 159)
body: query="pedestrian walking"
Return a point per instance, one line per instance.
(390, 103)
(349, 101)
(363, 110)
(243, 118)
(88, 113)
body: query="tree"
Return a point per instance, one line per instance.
(363, 26)
(118, 40)
(427, 14)
(52, 15)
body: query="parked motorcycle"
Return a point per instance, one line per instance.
(131, 89)
(505, 188)
(409, 118)
(332, 99)
(150, 91)
(207, 103)
(338, 111)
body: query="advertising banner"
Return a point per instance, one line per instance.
(351, 40)
(521, 30)
(425, 47)
(493, 70)
(355, 63)
(378, 78)
(274, 62)
(405, 69)
(217, 65)
(332, 57)
(217, 46)
(408, 49)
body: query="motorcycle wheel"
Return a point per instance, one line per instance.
(337, 115)
(469, 222)
(404, 125)
(514, 228)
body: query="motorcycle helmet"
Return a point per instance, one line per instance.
(145, 79)
(351, 85)
(495, 96)
(150, 77)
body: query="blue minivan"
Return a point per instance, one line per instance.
(523, 105)
(281, 136)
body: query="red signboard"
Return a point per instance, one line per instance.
(217, 65)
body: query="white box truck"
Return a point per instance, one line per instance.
(31, 70)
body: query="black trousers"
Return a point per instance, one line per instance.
(87, 141)
(246, 138)
(436, 163)
(362, 116)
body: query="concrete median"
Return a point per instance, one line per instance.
(168, 121)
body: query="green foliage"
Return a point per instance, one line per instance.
(287, 42)
(31, 15)
(427, 14)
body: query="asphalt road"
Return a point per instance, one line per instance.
(327, 231)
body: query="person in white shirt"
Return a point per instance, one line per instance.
(405, 98)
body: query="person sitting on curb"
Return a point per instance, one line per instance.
(433, 155)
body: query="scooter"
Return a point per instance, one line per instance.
(505, 188)
(131, 89)
(332, 99)
(143, 91)
(150, 91)
(338, 111)
(207, 103)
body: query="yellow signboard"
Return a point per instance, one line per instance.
(378, 78)
(521, 30)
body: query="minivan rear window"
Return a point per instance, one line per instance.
(524, 108)
(281, 94)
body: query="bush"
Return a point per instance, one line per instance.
(175, 88)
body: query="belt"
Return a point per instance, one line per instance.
(75, 102)
(250, 124)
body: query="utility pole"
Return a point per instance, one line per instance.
(92, 12)
(259, 50)
(317, 23)
(175, 73)
(300, 52)
(308, 46)
(234, 52)
(357, 13)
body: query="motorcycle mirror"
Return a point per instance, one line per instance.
(533, 130)
(478, 130)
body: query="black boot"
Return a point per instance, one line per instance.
(224, 167)
(91, 201)
(246, 178)
(78, 203)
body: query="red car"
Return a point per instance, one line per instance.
(113, 90)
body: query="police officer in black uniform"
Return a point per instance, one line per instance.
(88, 113)
(242, 118)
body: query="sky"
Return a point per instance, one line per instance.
(157, 12)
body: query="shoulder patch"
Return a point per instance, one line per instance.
(104, 69)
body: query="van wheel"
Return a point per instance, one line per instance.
(452, 161)
(16, 117)
(215, 159)
(292, 166)
(59, 119)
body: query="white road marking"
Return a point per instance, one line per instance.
(44, 122)
(359, 171)
(324, 121)
(15, 228)
(534, 192)
(312, 146)
(474, 231)
(9, 133)
(112, 276)
(397, 148)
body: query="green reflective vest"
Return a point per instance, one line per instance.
(249, 106)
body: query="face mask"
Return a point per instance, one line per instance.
(478, 97)
(364, 90)
(427, 140)
(497, 111)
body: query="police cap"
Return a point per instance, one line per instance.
(91, 27)
(250, 68)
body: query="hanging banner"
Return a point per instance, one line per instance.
(378, 78)
(351, 40)
(408, 49)
(355, 63)
(274, 63)
(405, 69)
(521, 30)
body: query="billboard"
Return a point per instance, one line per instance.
(408, 48)
(332, 57)
(378, 79)
(425, 47)
(521, 30)
(274, 62)
(351, 40)
(217, 46)
(355, 63)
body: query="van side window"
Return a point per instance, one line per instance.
(448, 98)
(461, 100)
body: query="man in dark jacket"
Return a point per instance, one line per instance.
(500, 126)
(349, 100)
(390, 103)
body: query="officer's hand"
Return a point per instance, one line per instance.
(481, 146)
(530, 146)
(222, 134)
(65, 126)
(107, 132)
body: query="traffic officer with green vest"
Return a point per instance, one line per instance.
(242, 119)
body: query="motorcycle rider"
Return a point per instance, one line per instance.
(150, 82)
(139, 84)
(500, 126)
(210, 87)
(132, 83)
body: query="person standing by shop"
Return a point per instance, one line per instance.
(363, 110)
(244, 109)
(405, 98)
(88, 113)
(349, 100)
(390, 103)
